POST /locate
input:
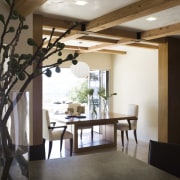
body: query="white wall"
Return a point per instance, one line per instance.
(94, 60)
(136, 81)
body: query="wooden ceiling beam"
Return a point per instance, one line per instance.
(26, 7)
(95, 48)
(144, 45)
(98, 39)
(161, 32)
(130, 12)
(112, 51)
(117, 33)
(76, 48)
(103, 38)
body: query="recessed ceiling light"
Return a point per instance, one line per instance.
(81, 2)
(55, 1)
(151, 19)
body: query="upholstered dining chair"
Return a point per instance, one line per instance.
(165, 156)
(51, 132)
(130, 124)
(77, 109)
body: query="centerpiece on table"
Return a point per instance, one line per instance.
(92, 105)
(105, 96)
(21, 68)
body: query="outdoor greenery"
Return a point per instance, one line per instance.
(79, 93)
(104, 94)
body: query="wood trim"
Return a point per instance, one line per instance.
(161, 32)
(163, 93)
(141, 45)
(37, 88)
(112, 51)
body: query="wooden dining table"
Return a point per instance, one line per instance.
(107, 121)
(97, 166)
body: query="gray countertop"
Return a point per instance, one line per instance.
(102, 165)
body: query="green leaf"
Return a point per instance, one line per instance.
(59, 53)
(23, 56)
(44, 50)
(57, 69)
(11, 29)
(50, 45)
(15, 15)
(69, 57)
(21, 76)
(31, 42)
(16, 55)
(76, 55)
(28, 56)
(14, 63)
(25, 27)
(2, 18)
(74, 61)
(59, 61)
(21, 18)
(90, 92)
(60, 45)
(48, 73)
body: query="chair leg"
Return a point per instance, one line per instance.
(81, 134)
(127, 135)
(135, 136)
(122, 138)
(71, 146)
(44, 141)
(61, 142)
(50, 148)
(92, 133)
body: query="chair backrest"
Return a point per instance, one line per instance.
(76, 108)
(133, 109)
(47, 133)
(165, 156)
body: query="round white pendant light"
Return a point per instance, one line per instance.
(80, 70)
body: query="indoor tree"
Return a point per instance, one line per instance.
(18, 66)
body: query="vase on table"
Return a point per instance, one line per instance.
(14, 137)
(105, 106)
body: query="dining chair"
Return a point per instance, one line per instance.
(51, 132)
(74, 109)
(78, 109)
(129, 124)
(165, 156)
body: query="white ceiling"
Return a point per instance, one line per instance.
(68, 10)
(93, 9)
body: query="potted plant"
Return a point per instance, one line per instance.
(18, 70)
(92, 105)
(105, 95)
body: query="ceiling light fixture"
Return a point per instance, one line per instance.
(151, 19)
(81, 2)
(80, 70)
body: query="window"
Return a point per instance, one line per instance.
(58, 90)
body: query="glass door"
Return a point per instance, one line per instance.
(98, 79)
